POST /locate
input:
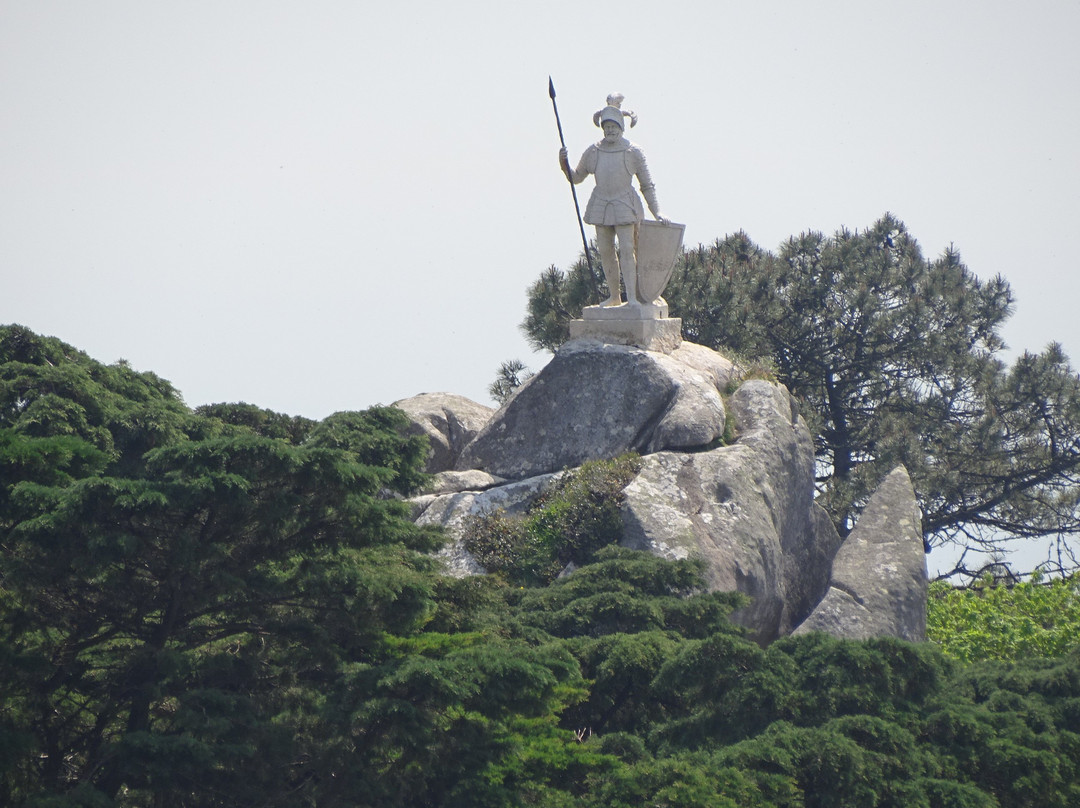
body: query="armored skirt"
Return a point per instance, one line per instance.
(614, 200)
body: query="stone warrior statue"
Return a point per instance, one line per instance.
(615, 208)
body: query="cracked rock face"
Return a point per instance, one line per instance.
(448, 420)
(746, 509)
(596, 401)
(878, 586)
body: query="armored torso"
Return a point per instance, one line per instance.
(614, 200)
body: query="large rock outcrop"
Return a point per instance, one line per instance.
(878, 586)
(746, 508)
(598, 401)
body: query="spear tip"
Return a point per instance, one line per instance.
(551, 87)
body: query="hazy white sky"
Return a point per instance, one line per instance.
(326, 205)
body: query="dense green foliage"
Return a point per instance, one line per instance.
(228, 607)
(990, 620)
(182, 598)
(567, 524)
(895, 359)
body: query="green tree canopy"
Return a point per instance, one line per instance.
(992, 620)
(180, 594)
(242, 614)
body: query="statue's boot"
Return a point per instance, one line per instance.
(611, 275)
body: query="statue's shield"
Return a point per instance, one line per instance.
(658, 246)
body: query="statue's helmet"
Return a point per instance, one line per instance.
(614, 112)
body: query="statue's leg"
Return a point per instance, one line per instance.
(628, 261)
(605, 243)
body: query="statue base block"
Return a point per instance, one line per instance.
(657, 310)
(662, 334)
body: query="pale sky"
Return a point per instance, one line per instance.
(326, 205)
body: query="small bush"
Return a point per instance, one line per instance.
(568, 524)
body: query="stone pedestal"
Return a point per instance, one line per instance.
(646, 325)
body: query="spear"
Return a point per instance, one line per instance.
(573, 191)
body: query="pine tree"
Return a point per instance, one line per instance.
(179, 595)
